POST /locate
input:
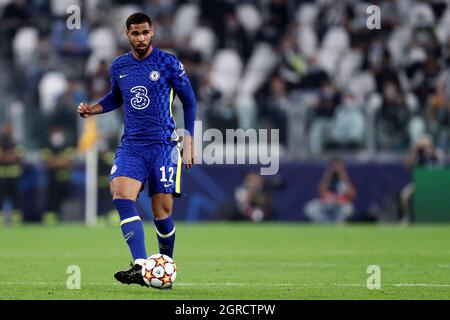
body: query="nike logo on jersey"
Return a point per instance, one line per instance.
(122, 76)
(113, 169)
(181, 67)
(167, 185)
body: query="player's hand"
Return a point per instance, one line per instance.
(84, 110)
(188, 152)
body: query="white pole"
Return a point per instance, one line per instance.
(91, 185)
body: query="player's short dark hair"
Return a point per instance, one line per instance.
(138, 18)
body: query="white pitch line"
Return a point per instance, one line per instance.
(388, 285)
(421, 285)
(237, 284)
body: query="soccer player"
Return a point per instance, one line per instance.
(145, 81)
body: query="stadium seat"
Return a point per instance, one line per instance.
(335, 42)
(249, 17)
(261, 63)
(421, 14)
(51, 86)
(226, 71)
(25, 44)
(328, 58)
(185, 20)
(349, 63)
(246, 110)
(102, 42)
(398, 41)
(443, 27)
(203, 40)
(373, 103)
(362, 82)
(336, 38)
(93, 62)
(307, 39)
(307, 14)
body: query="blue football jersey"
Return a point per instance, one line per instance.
(146, 89)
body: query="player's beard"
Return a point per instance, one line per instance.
(142, 51)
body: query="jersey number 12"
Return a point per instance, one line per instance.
(163, 174)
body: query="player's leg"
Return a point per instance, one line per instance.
(162, 204)
(164, 184)
(128, 174)
(124, 191)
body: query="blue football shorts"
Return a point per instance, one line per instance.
(159, 164)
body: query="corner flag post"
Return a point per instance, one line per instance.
(88, 145)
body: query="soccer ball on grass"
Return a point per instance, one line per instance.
(159, 271)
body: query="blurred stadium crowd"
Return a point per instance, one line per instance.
(309, 68)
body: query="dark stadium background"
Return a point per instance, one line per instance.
(312, 69)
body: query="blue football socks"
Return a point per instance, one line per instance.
(165, 231)
(132, 228)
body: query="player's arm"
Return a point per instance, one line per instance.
(184, 90)
(343, 174)
(111, 101)
(325, 181)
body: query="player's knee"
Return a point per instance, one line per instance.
(122, 194)
(162, 212)
(123, 190)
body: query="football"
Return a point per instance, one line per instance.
(159, 271)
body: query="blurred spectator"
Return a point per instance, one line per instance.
(44, 60)
(274, 103)
(222, 115)
(253, 200)
(207, 96)
(322, 115)
(10, 172)
(348, 127)
(63, 117)
(315, 76)
(158, 8)
(393, 119)
(427, 85)
(98, 82)
(165, 36)
(70, 43)
(381, 64)
(336, 195)
(276, 21)
(235, 36)
(59, 160)
(438, 113)
(15, 15)
(423, 154)
(293, 65)
(195, 69)
(72, 46)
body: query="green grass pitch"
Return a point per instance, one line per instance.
(233, 261)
